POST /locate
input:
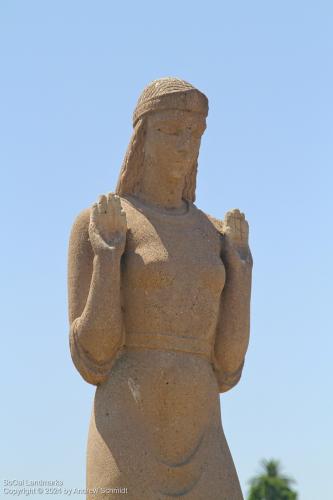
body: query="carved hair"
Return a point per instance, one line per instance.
(131, 172)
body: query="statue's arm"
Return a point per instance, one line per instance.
(95, 315)
(233, 327)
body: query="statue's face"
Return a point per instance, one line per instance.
(173, 140)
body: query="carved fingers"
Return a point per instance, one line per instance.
(107, 223)
(236, 227)
(236, 233)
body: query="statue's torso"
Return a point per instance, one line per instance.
(156, 420)
(172, 278)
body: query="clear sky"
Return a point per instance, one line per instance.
(71, 73)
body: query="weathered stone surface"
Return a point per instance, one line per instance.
(159, 308)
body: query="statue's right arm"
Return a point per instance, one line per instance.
(95, 315)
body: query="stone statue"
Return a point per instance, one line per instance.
(159, 308)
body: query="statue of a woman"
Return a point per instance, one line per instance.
(159, 307)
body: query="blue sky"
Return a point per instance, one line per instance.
(71, 73)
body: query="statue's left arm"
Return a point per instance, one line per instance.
(233, 327)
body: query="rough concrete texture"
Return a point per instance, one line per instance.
(159, 307)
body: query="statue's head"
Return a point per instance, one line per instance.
(168, 121)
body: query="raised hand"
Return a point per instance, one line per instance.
(107, 228)
(236, 237)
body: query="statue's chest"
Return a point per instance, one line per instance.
(171, 250)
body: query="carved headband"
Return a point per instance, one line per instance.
(170, 93)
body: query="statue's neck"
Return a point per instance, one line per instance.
(168, 200)
(162, 191)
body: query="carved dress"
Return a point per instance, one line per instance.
(156, 425)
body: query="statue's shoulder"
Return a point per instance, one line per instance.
(217, 223)
(127, 203)
(81, 221)
(79, 237)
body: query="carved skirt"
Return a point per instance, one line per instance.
(156, 432)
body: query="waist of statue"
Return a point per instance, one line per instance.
(170, 342)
